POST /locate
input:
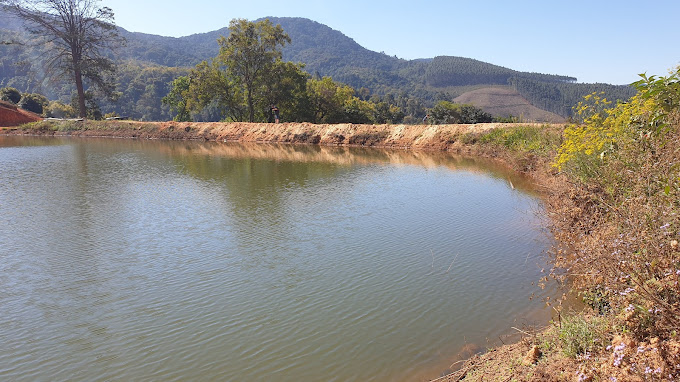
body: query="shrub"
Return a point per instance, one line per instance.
(56, 109)
(10, 94)
(579, 336)
(626, 236)
(33, 102)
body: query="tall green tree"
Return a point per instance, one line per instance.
(287, 88)
(249, 53)
(211, 85)
(77, 35)
(328, 99)
(177, 99)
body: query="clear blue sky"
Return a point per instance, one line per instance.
(595, 40)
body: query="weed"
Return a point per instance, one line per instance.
(579, 336)
(523, 138)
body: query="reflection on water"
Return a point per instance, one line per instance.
(128, 260)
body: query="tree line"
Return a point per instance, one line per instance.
(560, 98)
(387, 90)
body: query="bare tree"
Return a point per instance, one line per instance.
(77, 35)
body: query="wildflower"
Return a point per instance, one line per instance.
(630, 308)
(627, 291)
(618, 354)
(641, 349)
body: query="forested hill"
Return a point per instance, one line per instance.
(147, 63)
(327, 52)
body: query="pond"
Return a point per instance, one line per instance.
(176, 261)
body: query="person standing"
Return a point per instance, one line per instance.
(276, 114)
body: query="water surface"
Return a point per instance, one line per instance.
(138, 260)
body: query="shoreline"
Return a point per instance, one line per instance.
(406, 137)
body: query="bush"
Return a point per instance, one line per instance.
(10, 95)
(579, 336)
(627, 228)
(56, 109)
(33, 102)
(445, 112)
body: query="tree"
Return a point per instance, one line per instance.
(92, 110)
(177, 99)
(77, 35)
(10, 94)
(212, 87)
(287, 88)
(249, 54)
(33, 102)
(445, 112)
(328, 99)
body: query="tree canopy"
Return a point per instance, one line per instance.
(445, 112)
(249, 55)
(76, 35)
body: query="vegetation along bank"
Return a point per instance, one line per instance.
(612, 190)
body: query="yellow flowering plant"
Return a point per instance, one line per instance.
(600, 129)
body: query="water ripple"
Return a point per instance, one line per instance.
(138, 261)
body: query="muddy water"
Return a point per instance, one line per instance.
(136, 260)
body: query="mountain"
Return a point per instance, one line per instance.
(147, 63)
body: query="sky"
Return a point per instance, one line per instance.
(607, 41)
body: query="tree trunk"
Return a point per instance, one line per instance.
(81, 93)
(251, 107)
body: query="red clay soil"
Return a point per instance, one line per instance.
(11, 115)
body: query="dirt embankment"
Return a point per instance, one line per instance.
(11, 115)
(428, 137)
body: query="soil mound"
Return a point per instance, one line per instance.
(11, 115)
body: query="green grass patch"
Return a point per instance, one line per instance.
(579, 335)
(522, 138)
